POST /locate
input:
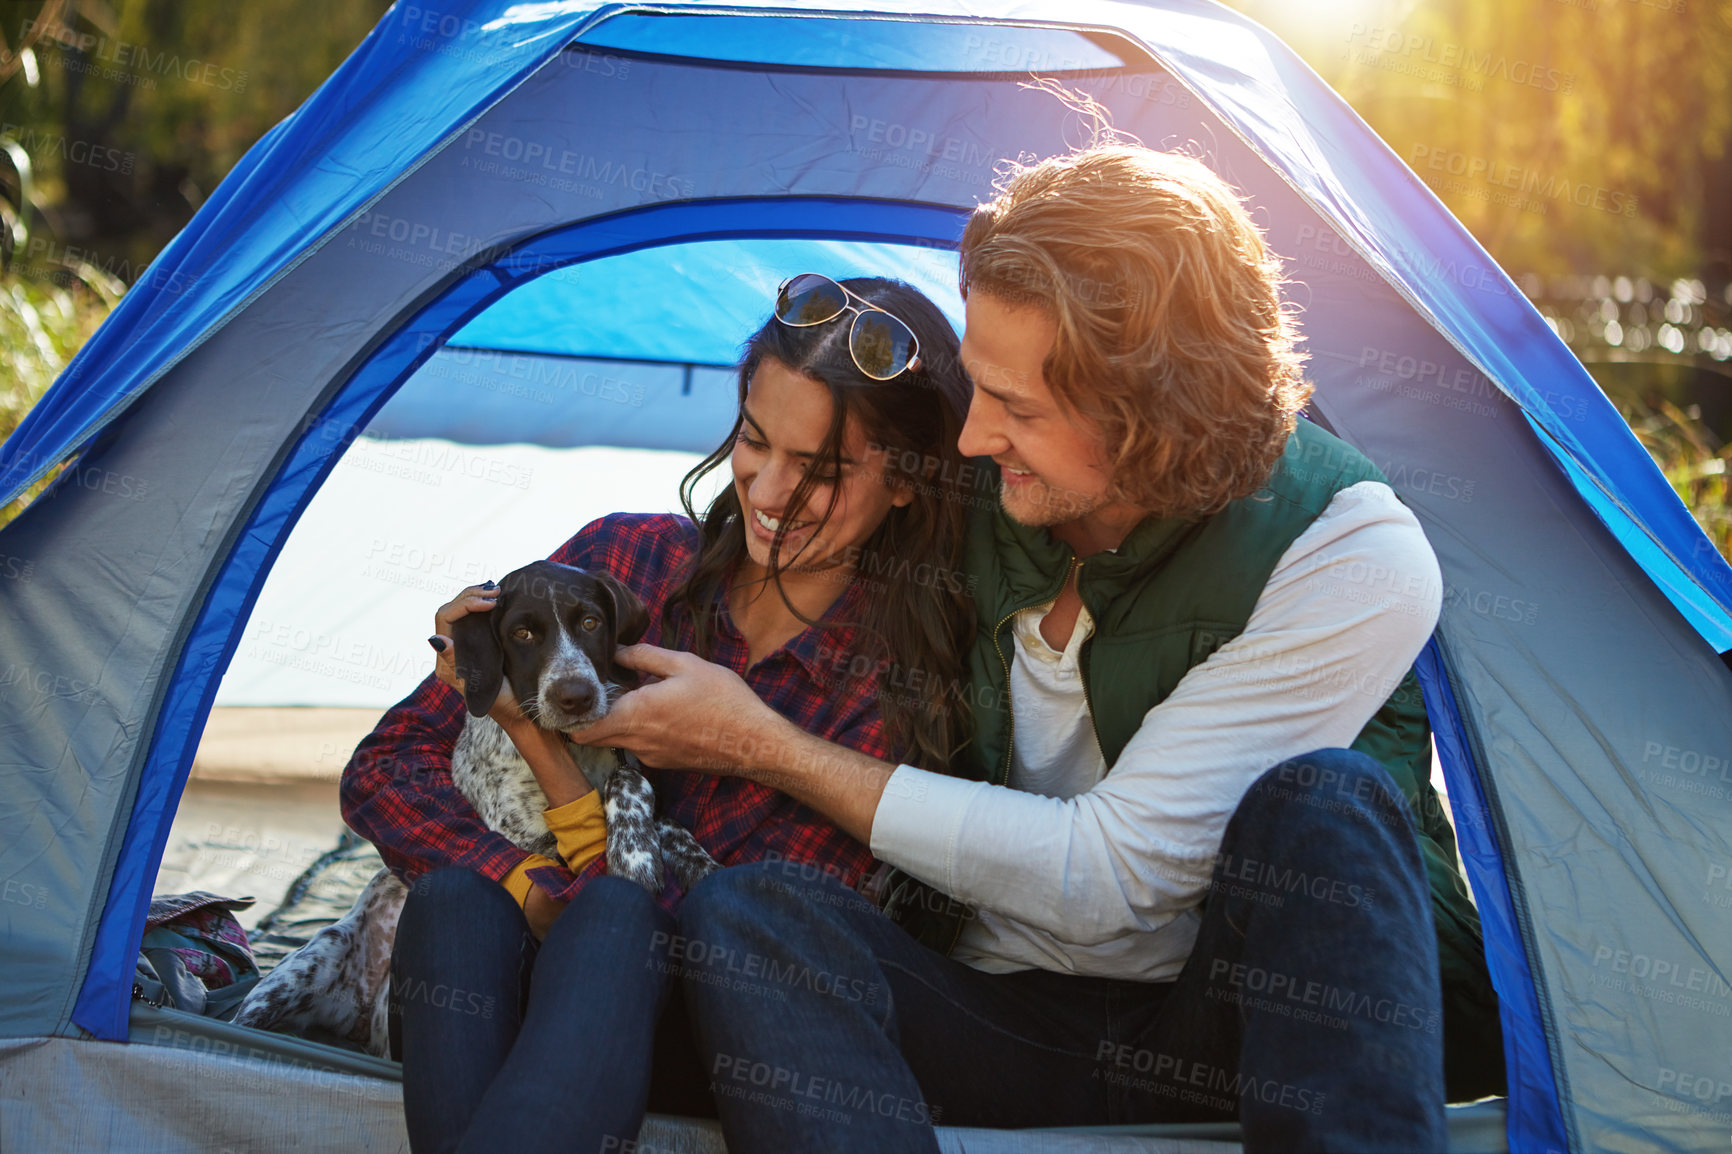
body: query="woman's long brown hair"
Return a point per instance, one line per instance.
(918, 619)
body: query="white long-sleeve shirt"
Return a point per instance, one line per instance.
(1076, 870)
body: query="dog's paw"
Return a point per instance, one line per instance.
(634, 851)
(690, 862)
(692, 872)
(643, 866)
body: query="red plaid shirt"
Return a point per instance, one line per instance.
(397, 790)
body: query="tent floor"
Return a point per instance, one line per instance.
(190, 1082)
(206, 1085)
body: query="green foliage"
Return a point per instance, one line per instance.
(42, 324)
(1584, 136)
(1584, 144)
(116, 120)
(139, 108)
(1694, 461)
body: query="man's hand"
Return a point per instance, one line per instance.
(703, 716)
(699, 715)
(540, 910)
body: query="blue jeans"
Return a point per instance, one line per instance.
(1309, 1009)
(511, 1045)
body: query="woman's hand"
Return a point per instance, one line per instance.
(475, 599)
(700, 715)
(540, 910)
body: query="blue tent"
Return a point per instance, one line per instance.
(556, 195)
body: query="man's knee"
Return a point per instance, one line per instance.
(735, 895)
(1326, 784)
(769, 902)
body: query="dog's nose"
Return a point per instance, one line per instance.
(574, 697)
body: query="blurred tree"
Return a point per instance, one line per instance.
(1568, 135)
(115, 122)
(1584, 143)
(130, 113)
(1693, 461)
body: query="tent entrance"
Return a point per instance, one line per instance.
(231, 596)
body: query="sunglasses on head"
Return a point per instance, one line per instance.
(882, 345)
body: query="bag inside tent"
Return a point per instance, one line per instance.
(489, 283)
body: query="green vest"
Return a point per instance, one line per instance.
(1167, 598)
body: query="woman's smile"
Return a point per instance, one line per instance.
(766, 526)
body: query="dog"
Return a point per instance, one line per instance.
(549, 639)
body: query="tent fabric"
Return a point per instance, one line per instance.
(244, 1101)
(77, 1097)
(251, 1099)
(855, 44)
(216, 630)
(684, 304)
(468, 156)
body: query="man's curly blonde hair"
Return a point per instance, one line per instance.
(1171, 333)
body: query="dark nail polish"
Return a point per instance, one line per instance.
(438, 644)
(488, 585)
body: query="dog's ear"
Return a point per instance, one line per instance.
(630, 618)
(480, 660)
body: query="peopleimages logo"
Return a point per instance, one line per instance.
(1691, 987)
(927, 143)
(1488, 65)
(93, 51)
(545, 159)
(99, 156)
(1527, 182)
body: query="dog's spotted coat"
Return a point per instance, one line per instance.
(552, 632)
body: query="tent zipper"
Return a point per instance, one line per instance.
(138, 995)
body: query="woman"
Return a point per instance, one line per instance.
(843, 454)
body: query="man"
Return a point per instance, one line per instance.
(1155, 885)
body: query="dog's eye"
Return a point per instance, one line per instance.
(522, 633)
(591, 623)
